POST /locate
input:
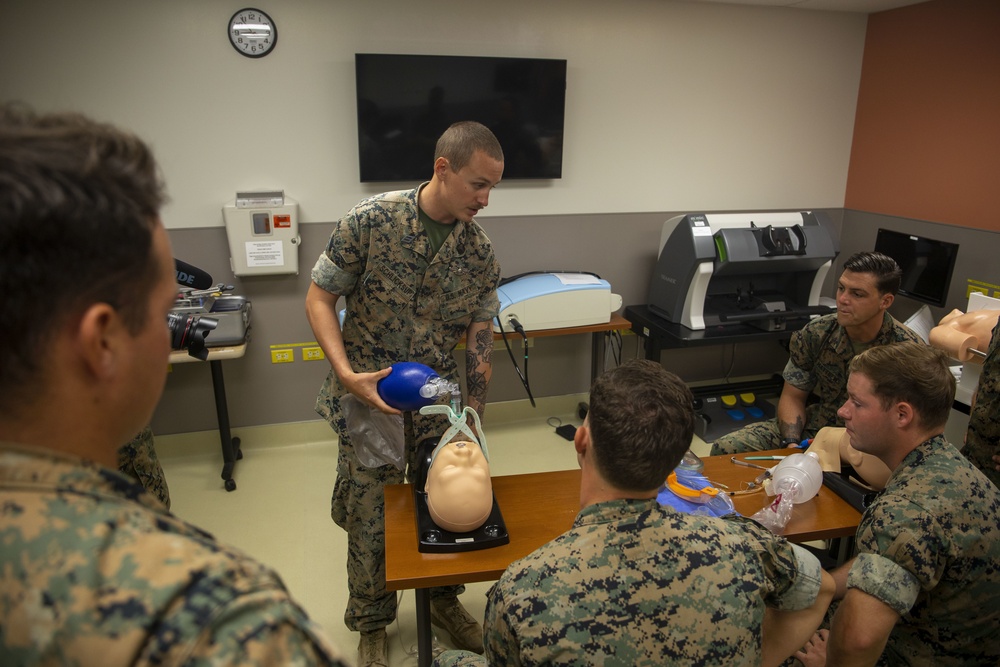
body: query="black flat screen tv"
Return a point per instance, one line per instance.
(405, 102)
(927, 264)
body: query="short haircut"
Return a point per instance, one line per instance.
(885, 269)
(912, 373)
(641, 421)
(461, 141)
(78, 204)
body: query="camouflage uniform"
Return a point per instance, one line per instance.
(97, 572)
(138, 459)
(819, 355)
(982, 441)
(929, 547)
(634, 583)
(401, 306)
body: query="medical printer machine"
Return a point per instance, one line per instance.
(555, 301)
(759, 269)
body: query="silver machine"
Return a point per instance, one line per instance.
(759, 269)
(231, 312)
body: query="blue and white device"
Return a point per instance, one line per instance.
(556, 301)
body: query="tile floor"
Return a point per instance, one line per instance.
(280, 511)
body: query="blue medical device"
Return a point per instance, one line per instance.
(555, 301)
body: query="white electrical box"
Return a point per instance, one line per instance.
(263, 231)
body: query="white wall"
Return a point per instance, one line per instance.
(670, 106)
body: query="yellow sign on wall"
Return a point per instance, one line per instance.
(989, 289)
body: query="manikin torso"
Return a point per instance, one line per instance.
(958, 333)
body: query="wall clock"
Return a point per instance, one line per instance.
(252, 33)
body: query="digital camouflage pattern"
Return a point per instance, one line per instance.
(95, 571)
(982, 442)
(929, 547)
(819, 355)
(137, 459)
(401, 305)
(634, 583)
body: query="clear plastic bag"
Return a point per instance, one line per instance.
(775, 516)
(377, 437)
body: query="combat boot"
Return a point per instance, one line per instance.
(373, 649)
(449, 615)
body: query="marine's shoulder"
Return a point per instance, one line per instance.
(384, 204)
(899, 332)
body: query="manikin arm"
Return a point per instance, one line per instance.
(321, 310)
(785, 632)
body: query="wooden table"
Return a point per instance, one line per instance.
(538, 507)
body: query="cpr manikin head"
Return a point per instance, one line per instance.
(458, 487)
(958, 333)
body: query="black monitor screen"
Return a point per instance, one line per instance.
(927, 264)
(405, 102)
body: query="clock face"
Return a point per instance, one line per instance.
(252, 33)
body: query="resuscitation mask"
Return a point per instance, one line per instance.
(690, 492)
(458, 487)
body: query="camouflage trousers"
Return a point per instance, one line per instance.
(137, 458)
(358, 506)
(756, 437)
(459, 659)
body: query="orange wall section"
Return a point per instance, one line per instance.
(927, 130)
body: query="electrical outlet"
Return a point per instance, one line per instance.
(313, 354)
(282, 356)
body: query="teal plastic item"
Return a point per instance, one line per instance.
(401, 388)
(718, 505)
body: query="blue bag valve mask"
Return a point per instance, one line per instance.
(412, 385)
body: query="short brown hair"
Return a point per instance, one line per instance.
(641, 421)
(461, 141)
(911, 373)
(78, 204)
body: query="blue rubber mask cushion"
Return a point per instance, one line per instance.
(720, 505)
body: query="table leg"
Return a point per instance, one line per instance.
(845, 549)
(424, 639)
(230, 445)
(596, 358)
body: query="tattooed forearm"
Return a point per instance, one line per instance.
(791, 429)
(479, 365)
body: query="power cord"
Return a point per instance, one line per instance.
(614, 347)
(517, 327)
(732, 364)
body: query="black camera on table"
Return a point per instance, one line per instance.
(188, 332)
(192, 318)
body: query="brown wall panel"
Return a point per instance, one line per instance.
(927, 133)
